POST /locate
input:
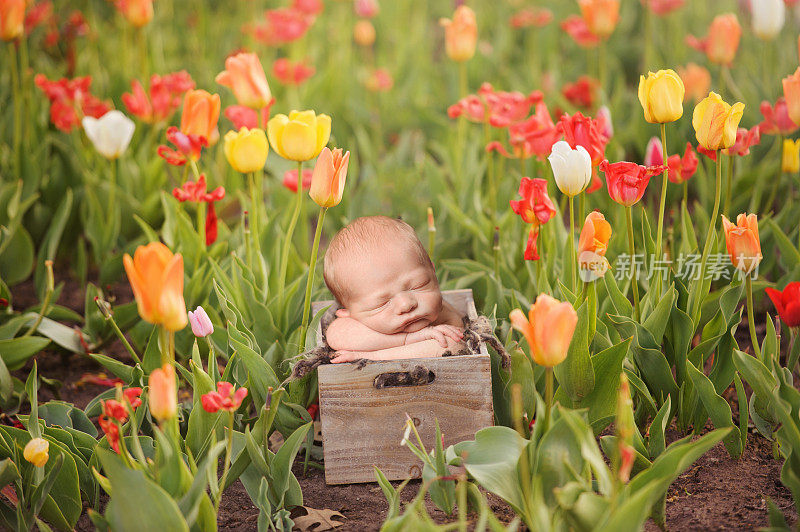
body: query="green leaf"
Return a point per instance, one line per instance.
(49, 245)
(658, 428)
(260, 374)
(621, 304)
(117, 368)
(281, 465)
(790, 254)
(16, 351)
(16, 259)
(718, 409)
(576, 373)
(203, 427)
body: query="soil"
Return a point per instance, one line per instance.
(715, 493)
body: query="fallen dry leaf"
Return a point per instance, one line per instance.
(317, 520)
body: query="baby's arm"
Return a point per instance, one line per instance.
(349, 334)
(424, 349)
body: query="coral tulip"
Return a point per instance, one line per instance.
(536, 17)
(601, 16)
(790, 162)
(299, 136)
(36, 451)
(292, 72)
(787, 303)
(460, 34)
(163, 397)
(595, 234)
(225, 398)
(156, 277)
(791, 92)
(330, 172)
(200, 322)
(715, 122)
(12, 16)
(627, 181)
(200, 114)
(572, 168)
(768, 18)
(138, 12)
(110, 134)
(663, 7)
(741, 239)
(165, 96)
(745, 139)
(245, 76)
(548, 329)
(682, 168)
(246, 149)
(661, 95)
(364, 33)
(776, 119)
(696, 81)
(722, 41)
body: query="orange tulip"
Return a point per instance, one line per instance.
(156, 277)
(12, 15)
(548, 328)
(791, 92)
(744, 246)
(162, 398)
(696, 81)
(722, 40)
(138, 12)
(200, 114)
(601, 16)
(327, 183)
(245, 76)
(460, 34)
(364, 33)
(595, 234)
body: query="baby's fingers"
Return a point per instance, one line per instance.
(451, 332)
(437, 335)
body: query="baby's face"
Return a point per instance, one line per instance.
(389, 290)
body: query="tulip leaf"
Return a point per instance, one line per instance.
(576, 373)
(16, 351)
(789, 253)
(203, 427)
(718, 409)
(16, 259)
(621, 304)
(657, 442)
(117, 368)
(658, 319)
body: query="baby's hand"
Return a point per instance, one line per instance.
(440, 333)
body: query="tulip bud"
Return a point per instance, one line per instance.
(364, 33)
(460, 34)
(791, 92)
(163, 397)
(601, 16)
(36, 452)
(548, 329)
(12, 15)
(246, 150)
(110, 134)
(138, 12)
(245, 76)
(768, 18)
(200, 322)
(715, 122)
(654, 154)
(742, 242)
(330, 173)
(661, 95)
(572, 169)
(200, 115)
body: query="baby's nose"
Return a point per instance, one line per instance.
(406, 302)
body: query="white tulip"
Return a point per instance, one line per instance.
(110, 134)
(571, 168)
(768, 17)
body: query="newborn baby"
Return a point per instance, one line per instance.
(382, 277)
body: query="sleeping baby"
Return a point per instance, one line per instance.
(382, 277)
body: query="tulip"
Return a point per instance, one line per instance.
(138, 12)
(379, 80)
(366, 8)
(246, 149)
(200, 322)
(601, 16)
(722, 40)
(327, 182)
(12, 16)
(661, 95)
(742, 242)
(627, 181)
(791, 92)
(36, 451)
(537, 17)
(290, 179)
(163, 397)
(200, 114)
(292, 72)
(654, 153)
(663, 7)
(682, 168)
(768, 18)
(245, 76)
(715, 122)
(576, 27)
(595, 234)
(745, 139)
(225, 398)
(604, 123)
(460, 34)
(156, 277)
(364, 33)
(299, 136)
(696, 81)
(572, 168)
(787, 303)
(582, 93)
(776, 119)
(535, 206)
(790, 162)
(110, 134)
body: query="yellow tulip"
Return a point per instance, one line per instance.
(36, 452)
(246, 149)
(299, 136)
(661, 96)
(791, 156)
(715, 122)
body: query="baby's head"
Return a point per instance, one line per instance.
(381, 275)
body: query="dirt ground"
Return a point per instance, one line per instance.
(716, 493)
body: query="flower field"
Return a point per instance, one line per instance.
(613, 184)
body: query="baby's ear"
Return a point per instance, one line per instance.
(342, 313)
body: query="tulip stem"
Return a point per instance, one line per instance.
(572, 253)
(310, 282)
(112, 189)
(487, 138)
(711, 234)
(794, 352)
(728, 185)
(227, 462)
(462, 120)
(634, 272)
(662, 205)
(750, 317)
(16, 88)
(524, 464)
(290, 231)
(201, 222)
(548, 398)
(686, 193)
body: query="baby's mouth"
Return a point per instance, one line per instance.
(414, 325)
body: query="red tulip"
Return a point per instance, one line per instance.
(67, 96)
(196, 191)
(682, 168)
(224, 398)
(292, 72)
(189, 147)
(628, 181)
(787, 303)
(776, 119)
(576, 27)
(290, 179)
(744, 140)
(165, 96)
(537, 17)
(582, 93)
(242, 116)
(535, 205)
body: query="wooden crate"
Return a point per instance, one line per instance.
(362, 426)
